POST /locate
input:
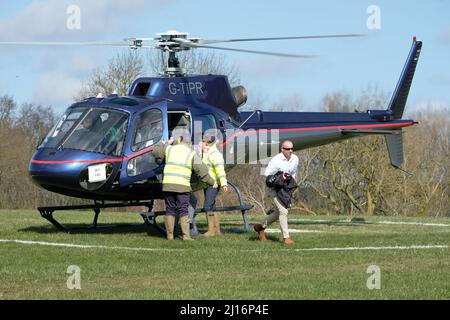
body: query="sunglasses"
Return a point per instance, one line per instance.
(288, 149)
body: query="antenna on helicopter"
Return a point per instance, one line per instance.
(173, 42)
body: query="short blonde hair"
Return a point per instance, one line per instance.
(181, 135)
(210, 138)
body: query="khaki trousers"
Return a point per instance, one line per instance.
(280, 213)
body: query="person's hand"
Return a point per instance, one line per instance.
(170, 141)
(215, 185)
(287, 176)
(225, 188)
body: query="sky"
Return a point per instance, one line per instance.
(53, 75)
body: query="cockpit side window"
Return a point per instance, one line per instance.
(90, 129)
(100, 130)
(149, 129)
(61, 128)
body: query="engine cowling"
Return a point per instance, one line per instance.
(239, 95)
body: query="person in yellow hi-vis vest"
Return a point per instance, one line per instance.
(180, 161)
(213, 159)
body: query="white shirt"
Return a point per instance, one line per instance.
(280, 163)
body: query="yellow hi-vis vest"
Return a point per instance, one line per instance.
(215, 163)
(178, 167)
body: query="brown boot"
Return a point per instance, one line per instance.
(217, 224)
(259, 228)
(211, 225)
(169, 222)
(287, 241)
(185, 229)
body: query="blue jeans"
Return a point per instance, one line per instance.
(210, 198)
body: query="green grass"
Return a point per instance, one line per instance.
(233, 266)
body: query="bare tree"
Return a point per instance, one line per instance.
(301, 202)
(337, 102)
(7, 107)
(372, 97)
(117, 76)
(252, 185)
(35, 121)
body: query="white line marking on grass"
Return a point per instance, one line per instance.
(373, 222)
(413, 247)
(415, 223)
(83, 246)
(269, 230)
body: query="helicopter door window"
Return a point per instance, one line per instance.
(207, 122)
(149, 129)
(178, 120)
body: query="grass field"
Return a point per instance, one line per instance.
(140, 264)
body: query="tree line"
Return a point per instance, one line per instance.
(22, 128)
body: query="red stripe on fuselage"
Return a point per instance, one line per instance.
(94, 160)
(353, 126)
(77, 161)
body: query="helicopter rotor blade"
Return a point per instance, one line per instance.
(59, 43)
(282, 38)
(174, 41)
(286, 55)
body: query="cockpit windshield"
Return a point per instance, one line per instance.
(89, 129)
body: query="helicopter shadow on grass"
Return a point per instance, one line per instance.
(131, 228)
(225, 228)
(101, 229)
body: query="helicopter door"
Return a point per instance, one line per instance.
(147, 130)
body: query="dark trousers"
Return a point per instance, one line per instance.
(177, 203)
(210, 198)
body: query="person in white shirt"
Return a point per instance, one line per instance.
(287, 162)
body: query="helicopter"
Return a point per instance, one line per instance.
(101, 148)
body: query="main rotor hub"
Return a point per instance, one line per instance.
(172, 41)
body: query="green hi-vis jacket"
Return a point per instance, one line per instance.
(180, 161)
(216, 165)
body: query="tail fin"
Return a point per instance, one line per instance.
(398, 100)
(394, 144)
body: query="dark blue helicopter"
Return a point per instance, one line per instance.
(101, 149)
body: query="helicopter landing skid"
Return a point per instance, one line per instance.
(244, 208)
(149, 216)
(47, 213)
(150, 220)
